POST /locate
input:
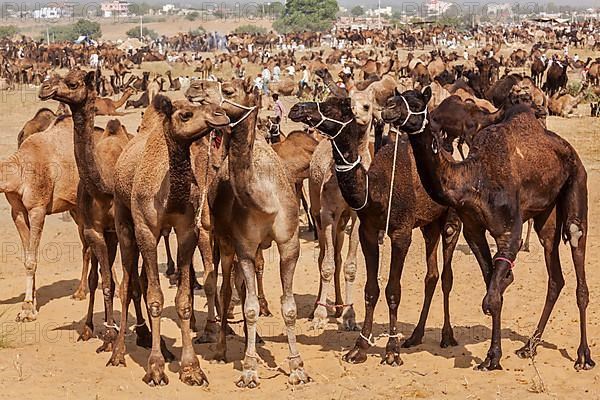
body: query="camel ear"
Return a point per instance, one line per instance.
(163, 104)
(90, 79)
(426, 92)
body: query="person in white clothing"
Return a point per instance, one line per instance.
(303, 81)
(291, 70)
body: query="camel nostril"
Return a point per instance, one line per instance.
(186, 116)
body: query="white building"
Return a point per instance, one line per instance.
(116, 8)
(168, 8)
(47, 13)
(376, 12)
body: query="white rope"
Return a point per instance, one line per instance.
(205, 189)
(248, 109)
(373, 340)
(114, 326)
(389, 209)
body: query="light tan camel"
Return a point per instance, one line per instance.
(106, 106)
(563, 104)
(95, 159)
(40, 179)
(39, 123)
(154, 177)
(253, 203)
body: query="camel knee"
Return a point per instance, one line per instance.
(251, 310)
(184, 308)
(30, 263)
(431, 278)
(288, 310)
(350, 271)
(327, 270)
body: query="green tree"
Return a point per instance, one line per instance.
(7, 31)
(85, 27)
(307, 15)
(135, 33)
(192, 16)
(357, 11)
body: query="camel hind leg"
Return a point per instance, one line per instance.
(574, 202)
(450, 236)
(350, 267)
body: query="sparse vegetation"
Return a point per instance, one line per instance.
(7, 31)
(146, 32)
(83, 27)
(307, 15)
(250, 29)
(192, 16)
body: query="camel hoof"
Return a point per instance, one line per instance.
(355, 356)
(392, 359)
(413, 340)
(193, 375)
(108, 339)
(27, 315)
(209, 335)
(156, 372)
(79, 295)
(197, 286)
(248, 379)
(448, 341)
(584, 360)
(299, 377)
(144, 337)
(219, 358)
(87, 334)
(117, 359)
(526, 352)
(488, 365)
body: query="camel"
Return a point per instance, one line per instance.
(51, 188)
(285, 87)
(153, 182)
(106, 106)
(40, 122)
(174, 83)
(516, 170)
(253, 203)
(95, 159)
(556, 77)
(563, 104)
(367, 191)
(537, 70)
(142, 102)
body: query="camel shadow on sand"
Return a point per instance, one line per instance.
(53, 291)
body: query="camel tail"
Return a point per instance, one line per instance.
(10, 174)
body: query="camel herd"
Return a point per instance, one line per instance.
(378, 155)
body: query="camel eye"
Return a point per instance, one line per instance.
(366, 107)
(72, 85)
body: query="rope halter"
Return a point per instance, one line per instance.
(223, 100)
(410, 113)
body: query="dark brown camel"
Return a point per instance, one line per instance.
(368, 193)
(516, 170)
(556, 77)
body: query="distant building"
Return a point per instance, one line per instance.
(168, 8)
(48, 13)
(116, 8)
(376, 12)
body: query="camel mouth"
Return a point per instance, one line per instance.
(46, 96)
(219, 122)
(196, 99)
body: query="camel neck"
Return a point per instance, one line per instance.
(180, 172)
(439, 174)
(241, 143)
(85, 146)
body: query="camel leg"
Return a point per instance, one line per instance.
(475, 237)
(549, 234)
(350, 267)
(190, 372)
(337, 254)
(21, 219)
(36, 225)
(450, 236)
(83, 288)
(575, 205)
(249, 376)
(431, 234)
(526, 243)
(289, 253)
(321, 238)
(227, 253)
(171, 272)
(400, 239)
(147, 241)
(210, 286)
(329, 222)
(88, 328)
(370, 247)
(262, 300)
(311, 225)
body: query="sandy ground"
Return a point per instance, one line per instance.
(43, 360)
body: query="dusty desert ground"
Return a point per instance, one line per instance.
(44, 360)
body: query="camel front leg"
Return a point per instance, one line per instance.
(350, 267)
(36, 226)
(450, 235)
(190, 372)
(210, 286)
(227, 254)
(289, 253)
(262, 300)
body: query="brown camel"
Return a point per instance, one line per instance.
(50, 188)
(253, 203)
(367, 192)
(563, 104)
(40, 122)
(174, 83)
(154, 173)
(106, 106)
(95, 159)
(516, 170)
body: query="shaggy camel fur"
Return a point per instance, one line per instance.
(516, 170)
(106, 106)
(40, 122)
(411, 208)
(95, 159)
(253, 203)
(159, 188)
(50, 188)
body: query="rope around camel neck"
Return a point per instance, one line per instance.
(389, 209)
(205, 189)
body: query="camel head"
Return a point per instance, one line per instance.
(407, 111)
(330, 117)
(74, 89)
(236, 96)
(187, 122)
